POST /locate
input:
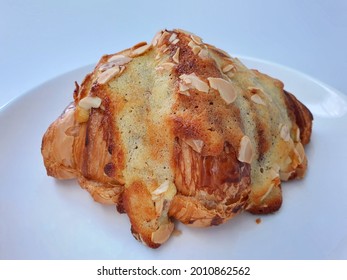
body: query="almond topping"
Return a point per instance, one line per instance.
(203, 53)
(228, 68)
(225, 89)
(175, 57)
(162, 234)
(299, 148)
(140, 50)
(116, 60)
(81, 115)
(172, 37)
(246, 150)
(161, 189)
(196, 39)
(195, 144)
(89, 102)
(162, 37)
(156, 38)
(194, 82)
(284, 133)
(273, 174)
(257, 99)
(119, 59)
(165, 65)
(284, 176)
(195, 48)
(297, 135)
(174, 42)
(107, 75)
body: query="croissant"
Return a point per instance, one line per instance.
(179, 130)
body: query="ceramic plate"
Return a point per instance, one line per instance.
(43, 218)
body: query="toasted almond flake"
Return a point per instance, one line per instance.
(196, 39)
(174, 42)
(195, 48)
(162, 188)
(81, 115)
(178, 30)
(183, 89)
(225, 89)
(89, 102)
(107, 75)
(194, 82)
(162, 234)
(156, 38)
(159, 205)
(297, 135)
(195, 144)
(257, 99)
(273, 174)
(119, 59)
(288, 161)
(203, 53)
(284, 132)
(116, 60)
(227, 68)
(184, 92)
(140, 50)
(165, 66)
(267, 192)
(172, 37)
(299, 148)
(246, 150)
(284, 176)
(175, 57)
(158, 56)
(163, 37)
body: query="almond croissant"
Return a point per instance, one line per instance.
(178, 129)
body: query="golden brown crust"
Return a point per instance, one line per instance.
(178, 129)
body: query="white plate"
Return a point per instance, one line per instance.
(42, 218)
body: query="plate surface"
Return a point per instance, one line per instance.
(43, 218)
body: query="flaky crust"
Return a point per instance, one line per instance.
(178, 129)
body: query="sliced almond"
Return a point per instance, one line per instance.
(297, 135)
(284, 132)
(225, 89)
(119, 59)
(197, 40)
(195, 48)
(89, 102)
(194, 82)
(299, 148)
(163, 233)
(107, 75)
(203, 53)
(257, 99)
(195, 144)
(172, 37)
(140, 50)
(165, 66)
(174, 42)
(246, 150)
(162, 38)
(227, 68)
(175, 57)
(162, 188)
(156, 38)
(81, 115)
(285, 176)
(273, 173)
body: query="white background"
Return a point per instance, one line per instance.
(42, 39)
